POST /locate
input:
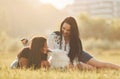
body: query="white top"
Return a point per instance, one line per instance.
(54, 43)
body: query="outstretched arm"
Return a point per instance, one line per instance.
(23, 62)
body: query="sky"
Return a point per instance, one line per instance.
(59, 4)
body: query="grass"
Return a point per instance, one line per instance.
(109, 56)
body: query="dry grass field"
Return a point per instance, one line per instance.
(109, 56)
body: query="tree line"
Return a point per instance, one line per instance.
(99, 28)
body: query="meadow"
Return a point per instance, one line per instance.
(104, 55)
(19, 15)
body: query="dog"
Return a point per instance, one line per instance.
(58, 59)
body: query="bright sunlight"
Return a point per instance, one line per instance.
(59, 4)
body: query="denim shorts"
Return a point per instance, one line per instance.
(86, 57)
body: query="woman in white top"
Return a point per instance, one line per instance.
(68, 40)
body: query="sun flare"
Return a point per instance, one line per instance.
(59, 4)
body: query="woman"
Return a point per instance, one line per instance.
(68, 40)
(35, 55)
(25, 43)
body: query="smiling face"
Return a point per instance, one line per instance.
(45, 48)
(66, 30)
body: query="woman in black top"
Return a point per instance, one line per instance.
(35, 55)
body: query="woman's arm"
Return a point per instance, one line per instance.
(45, 64)
(51, 45)
(51, 41)
(23, 57)
(54, 40)
(23, 62)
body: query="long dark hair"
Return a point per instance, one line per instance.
(36, 51)
(75, 42)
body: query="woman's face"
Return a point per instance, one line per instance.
(45, 48)
(66, 30)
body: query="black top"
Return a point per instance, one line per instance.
(26, 54)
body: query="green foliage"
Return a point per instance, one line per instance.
(100, 44)
(8, 44)
(99, 28)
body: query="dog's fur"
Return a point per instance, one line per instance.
(59, 59)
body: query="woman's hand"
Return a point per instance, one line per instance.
(45, 64)
(23, 62)
(70, 66)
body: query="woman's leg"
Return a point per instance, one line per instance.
(85, 66)
(100, 64)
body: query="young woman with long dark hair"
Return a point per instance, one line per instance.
(68, 39)
(35, 55)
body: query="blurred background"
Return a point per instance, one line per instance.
(98, 21)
